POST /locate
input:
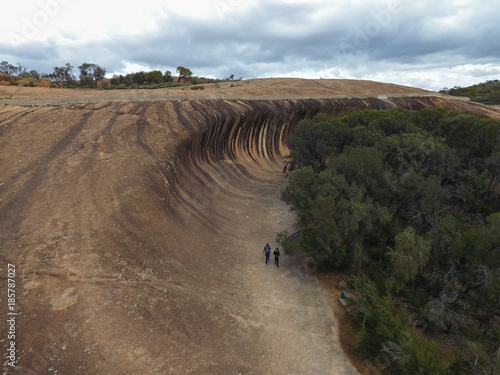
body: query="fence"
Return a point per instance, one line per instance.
(136, 98)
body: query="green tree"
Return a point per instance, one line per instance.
(376, 315)
(35, 74)
(434, 174)
(154, 76)
(63, 74)
(90, 74)
(299, 193)
(337, 214)
(115, 81)
(183, 73)
(494, 96)
(484, 92)
(315, 141)
(408, 258)
(167, 76)
(364, 166)
(99, 74)
(7, 68)
(386, 123)
(139, 77)
(414, 354)
(128, 80)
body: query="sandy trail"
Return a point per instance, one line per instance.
(293, 329)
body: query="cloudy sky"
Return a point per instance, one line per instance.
(423, 43)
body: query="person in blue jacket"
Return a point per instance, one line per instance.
(267, 252)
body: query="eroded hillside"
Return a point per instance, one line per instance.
(136, 230)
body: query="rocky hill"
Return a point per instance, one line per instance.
(136, 229)
(9, 80)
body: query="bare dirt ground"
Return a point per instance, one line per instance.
(137, 229)
(288, 314)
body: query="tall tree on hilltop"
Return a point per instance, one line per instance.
(63, 74)
(99, 74)
(90, 74)
(183, 73)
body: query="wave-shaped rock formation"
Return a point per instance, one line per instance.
(132, 227)
(248, 133)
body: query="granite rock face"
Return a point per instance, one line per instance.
(131, 225)
(44, 82)
(23, 82)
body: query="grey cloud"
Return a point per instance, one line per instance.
(273, 38)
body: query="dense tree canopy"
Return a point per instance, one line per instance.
(408, 202)
(486, 92)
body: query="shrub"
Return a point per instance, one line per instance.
(154, 76)
(198, 88)
(415, 354)
(287, 243)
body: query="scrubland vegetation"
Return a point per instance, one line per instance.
(486, 92)
(408, 204)
(91, 74)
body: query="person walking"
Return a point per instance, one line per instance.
(284, 168)
(276, 254)
(267, 252)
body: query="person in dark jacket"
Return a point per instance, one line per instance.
(276, 254)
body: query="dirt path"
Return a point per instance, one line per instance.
(293, 328)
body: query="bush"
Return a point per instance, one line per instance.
(167, 77)
(414, 354)
(198, 88)
(154, 76)
(32, 84)
(288, 245)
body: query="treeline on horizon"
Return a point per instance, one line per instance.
(407, 203)
(91, 74)
(485, 92)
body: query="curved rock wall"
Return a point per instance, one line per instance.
(230, 137)
(256, 131)
(191, 150)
